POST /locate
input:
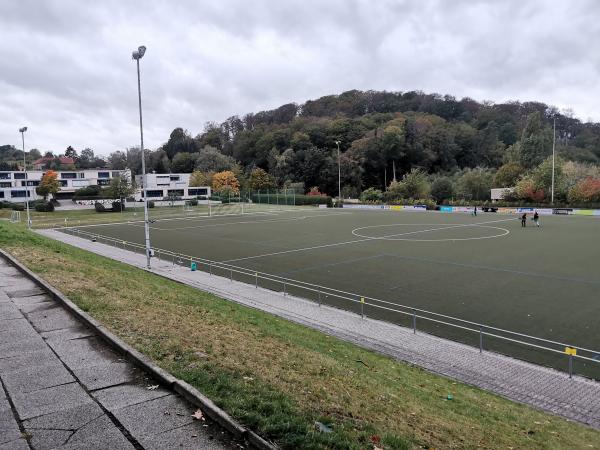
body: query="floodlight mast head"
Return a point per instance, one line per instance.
(22, 130)
(139, 53)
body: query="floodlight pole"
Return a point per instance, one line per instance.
(137, 55)
(23, 130)
(339, 172)
(553, 153)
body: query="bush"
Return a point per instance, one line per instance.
(87, 192)
(17, 207)
(118, 206)
(371, 195)
(193, 202)
(44, 207)
(150, 204)
(298, 200)
(99, 207)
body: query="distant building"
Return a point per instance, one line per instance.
(15, 186)
(164, 185)
(40, 164)
(500, 193)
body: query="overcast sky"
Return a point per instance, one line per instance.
(66, 70)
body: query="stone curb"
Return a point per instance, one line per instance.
(190, 393)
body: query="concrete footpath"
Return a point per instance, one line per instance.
(62, 387)
(543, 388)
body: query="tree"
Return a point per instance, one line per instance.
(48, 185)
(119, 188)
(209, 159)
(371, 195)
(442, 189)
(475, 184)
(198, 179)
(117, 160)
(587, 190)
(225, 181)
(508, 175)
(183, 163)
(536, 141)
(70, 152)
(413, 185)
(179, 141)
(259, 179)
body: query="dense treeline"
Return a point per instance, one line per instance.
(440, 136)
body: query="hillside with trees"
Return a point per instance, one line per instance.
(441, 148)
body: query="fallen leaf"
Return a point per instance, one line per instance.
(198, 415)
(321, 427)
(153, 388)
(248, 378)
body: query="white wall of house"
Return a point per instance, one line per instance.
(164, 185)
(15, 186)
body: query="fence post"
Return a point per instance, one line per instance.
(210, 268)
(414, 322)
(480, 340)
(173, 258)
(284, 292)
(256, 280)
(362, 307)
(319, 298)
(231, 275)
(570, 365)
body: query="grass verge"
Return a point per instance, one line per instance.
(279, 378)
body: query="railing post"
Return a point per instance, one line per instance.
(173, 258)
(284, 292)
(210, 268)
(414, 317)
(319, 298)
(480, 340)
(362, 307)
(256, 280)
(571, 365)
(231, 275)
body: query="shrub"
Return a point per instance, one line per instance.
(371, 195)
(118, 206)
(99, 207)
(193, 202)
(289, 199)
(44, 207)
(88, 191)
(150, 204)
(17, 207)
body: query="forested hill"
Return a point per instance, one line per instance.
(375, 129)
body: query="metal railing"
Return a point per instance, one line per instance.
(326, 295)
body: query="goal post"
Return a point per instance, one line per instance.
(15, 216)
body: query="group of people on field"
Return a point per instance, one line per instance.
(535, 218)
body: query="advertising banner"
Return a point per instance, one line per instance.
(446, 209)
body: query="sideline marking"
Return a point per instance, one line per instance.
(350, 242)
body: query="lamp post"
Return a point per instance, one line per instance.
(339, 172)
(22, 131)
(553, 152)
(137, 55)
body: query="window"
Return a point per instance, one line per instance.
(68, 175)
(16, 194)
(197, 191)
(116, 174)
(103, 182)
(5, 184)
(19, 175)
(175, 193)
(81, 175)
(63, 183)
(31, 183)
(103, 174)
(1, 194)
(155, 193)
(174, 177)
(4, 176)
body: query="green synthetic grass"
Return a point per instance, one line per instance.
(280, 378)
(538, 281)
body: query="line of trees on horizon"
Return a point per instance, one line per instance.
(439, 138)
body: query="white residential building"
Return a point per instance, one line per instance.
(15, 186)
(165, 185)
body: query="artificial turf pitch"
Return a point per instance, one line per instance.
(541, 281)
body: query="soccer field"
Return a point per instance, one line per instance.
(543, 282)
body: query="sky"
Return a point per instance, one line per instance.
(66, 70)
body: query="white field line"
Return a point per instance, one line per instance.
(355, 241)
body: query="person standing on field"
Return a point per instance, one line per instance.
(524, 220)
(536, 219)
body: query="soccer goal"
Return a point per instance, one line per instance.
(15, 216)
(187, 206)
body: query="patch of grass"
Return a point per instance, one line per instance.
(280, 378)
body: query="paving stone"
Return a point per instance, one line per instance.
(16, 294)
(46, 401)
(36, 378)
(52, 319)
(36, 307)
(28, 345)
(97, 377)
(9, 311)
(66, 334)
(65, 419)
(16, 335)
(14, 324)
(18, 444)
(191, 436)
(41, 358)
(155, 416)
(9, 429)
(126, 395)
(101, 434)
(3, 297)
(21, 301)
(49, 439)
(87, 352)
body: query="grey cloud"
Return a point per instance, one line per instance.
(66, 72)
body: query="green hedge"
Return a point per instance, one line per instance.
(298, 200)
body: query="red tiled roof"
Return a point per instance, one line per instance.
(62, 159)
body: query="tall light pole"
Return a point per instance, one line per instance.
(137, 55)
(553, 152)
(22, 131)
(339, 173)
